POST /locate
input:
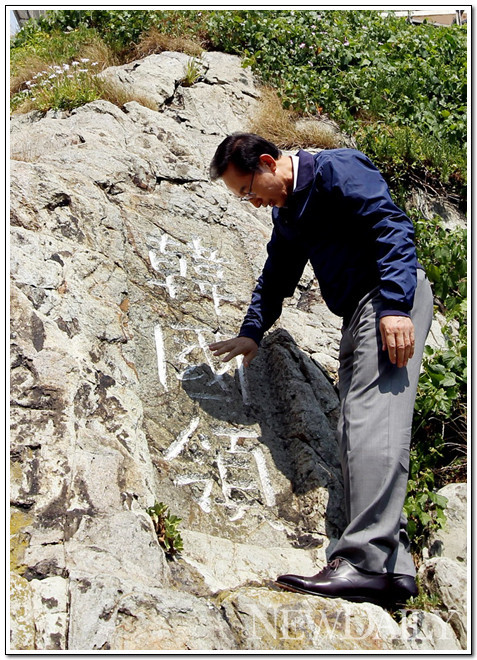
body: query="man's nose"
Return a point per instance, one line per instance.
(256, 202)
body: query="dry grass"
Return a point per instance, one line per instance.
(154, 41)
(100, 52)
(29, 68)
(116, 94)
(25, 106)
(288, 130)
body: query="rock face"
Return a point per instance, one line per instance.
(432, 205)
(451, 540)
(445, 572)
(448, 579)
(126, 262)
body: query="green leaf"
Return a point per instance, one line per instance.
(448, 380)
(425, 518)
(439, 500)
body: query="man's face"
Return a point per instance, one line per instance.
(267, 186)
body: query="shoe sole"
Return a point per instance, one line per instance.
(353, 599)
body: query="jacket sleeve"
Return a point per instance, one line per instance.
(280, 276)
(365, 195)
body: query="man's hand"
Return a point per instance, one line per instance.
(236, 346)
(397, 334)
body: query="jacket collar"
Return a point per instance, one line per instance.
(305, 171)
(296, 202)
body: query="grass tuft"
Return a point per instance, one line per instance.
(288, 129)
(155, 41)
(116, 93)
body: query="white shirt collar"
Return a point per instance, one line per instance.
(295, 161)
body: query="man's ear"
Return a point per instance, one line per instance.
(269, 162)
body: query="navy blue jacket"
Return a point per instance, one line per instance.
(341, 218)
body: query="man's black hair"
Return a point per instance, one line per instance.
(242, 150)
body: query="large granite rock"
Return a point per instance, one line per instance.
(451, 540)
(126, 262)
(266, 619)
(448, 579)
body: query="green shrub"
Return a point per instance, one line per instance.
(443, 253)
(165, 525)
(119, 28)
(355, 63)
(56, 40)
(407, 158)
(54, 49)
(51, 47)
(374, 75)
(424, 508)
(64, 88)
(438, 448)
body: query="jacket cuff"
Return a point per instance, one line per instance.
(252, 333)
(393, 312)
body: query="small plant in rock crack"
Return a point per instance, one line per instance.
(165, 525)
(192, 72)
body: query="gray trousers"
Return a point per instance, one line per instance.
(374, 432)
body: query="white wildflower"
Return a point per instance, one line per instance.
(84, 59)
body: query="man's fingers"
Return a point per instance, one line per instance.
(218, 345)
(401, 349)
(412, 342)
(383, 337)
(391, 347)
(248, 357)
(219, 348)
(405, 346)
(231, 354)
(398, 348)
(234, 347)
(224, 347)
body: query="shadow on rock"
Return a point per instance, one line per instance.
(296, 406)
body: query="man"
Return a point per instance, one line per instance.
(334, 209)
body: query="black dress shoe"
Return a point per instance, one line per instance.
(340, 579)
(401, 588)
